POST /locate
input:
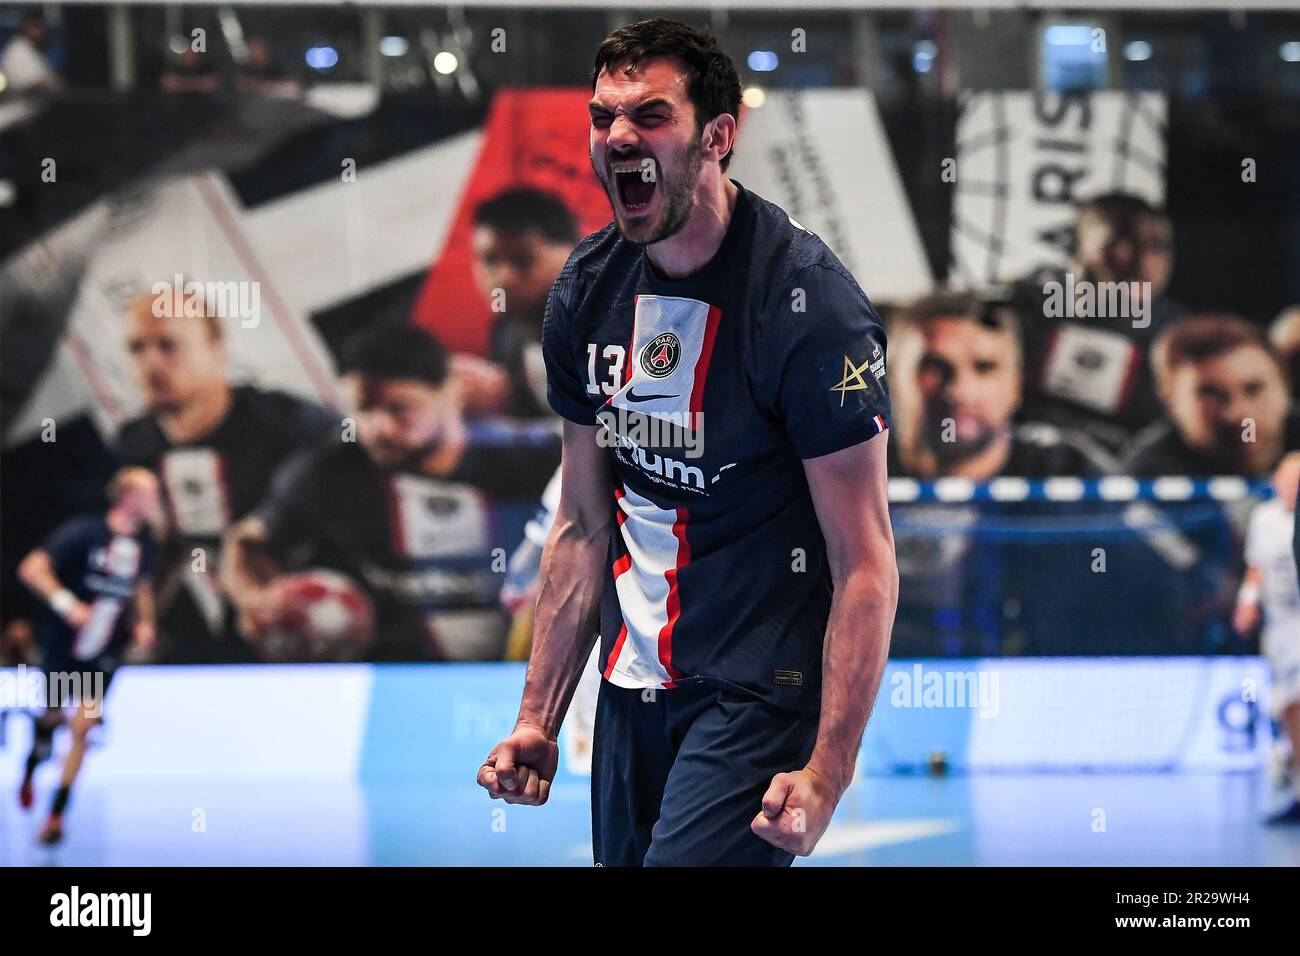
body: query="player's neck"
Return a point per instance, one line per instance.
(690, 250)
(199, 417)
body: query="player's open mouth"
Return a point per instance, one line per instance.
(635, 191)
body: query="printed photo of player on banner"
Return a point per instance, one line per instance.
(741, 436)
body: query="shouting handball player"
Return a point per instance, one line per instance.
(723, 521)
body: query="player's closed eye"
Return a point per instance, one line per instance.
(935, 371)
(1207, 393)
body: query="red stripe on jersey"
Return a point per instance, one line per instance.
(621, 566)
(702, 364)
(618, 648)
(107, 627)
(674, 597)
(619, 514)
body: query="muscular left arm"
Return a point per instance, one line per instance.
(850, 495)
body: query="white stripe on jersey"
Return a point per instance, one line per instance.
(688, 320)
(646, 590)
(121, 559)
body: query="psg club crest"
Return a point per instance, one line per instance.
(660, 356)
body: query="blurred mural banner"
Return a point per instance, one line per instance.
(532, 137)
(824, 157)
(302, 252)
(1024, 162)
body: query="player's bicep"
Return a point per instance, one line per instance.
(849, 489)
(586, 487)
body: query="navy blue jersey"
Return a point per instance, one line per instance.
(211, 483)
(429, 551)
(710, 391)
(102, 569)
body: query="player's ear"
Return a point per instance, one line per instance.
(720, 135)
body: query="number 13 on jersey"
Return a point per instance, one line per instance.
(612, 358)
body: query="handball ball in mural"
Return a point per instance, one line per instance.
(317, 615)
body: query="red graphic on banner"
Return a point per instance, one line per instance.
(533, 137)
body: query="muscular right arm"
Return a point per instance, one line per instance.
(37, 572)
(572, 577)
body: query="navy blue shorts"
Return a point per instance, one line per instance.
(677, 776)
(90, 676)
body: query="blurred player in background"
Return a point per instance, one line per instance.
(422, 509)
(215, 446)
(957, 371)
(1090, 371)
(521, 239)
(1227, 399)
(93, 576)
(23, 62)
(1270, 591)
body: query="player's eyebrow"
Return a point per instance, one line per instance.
(595, 106)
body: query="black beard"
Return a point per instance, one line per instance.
(411, 460)
(679, 200)
(957, 451)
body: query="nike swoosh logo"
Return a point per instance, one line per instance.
(634, 397)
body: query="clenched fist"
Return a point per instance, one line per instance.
(796, 811)
(520, 768)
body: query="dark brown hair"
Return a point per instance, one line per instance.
(991, 312)
(713, 84)
(1202, 337)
